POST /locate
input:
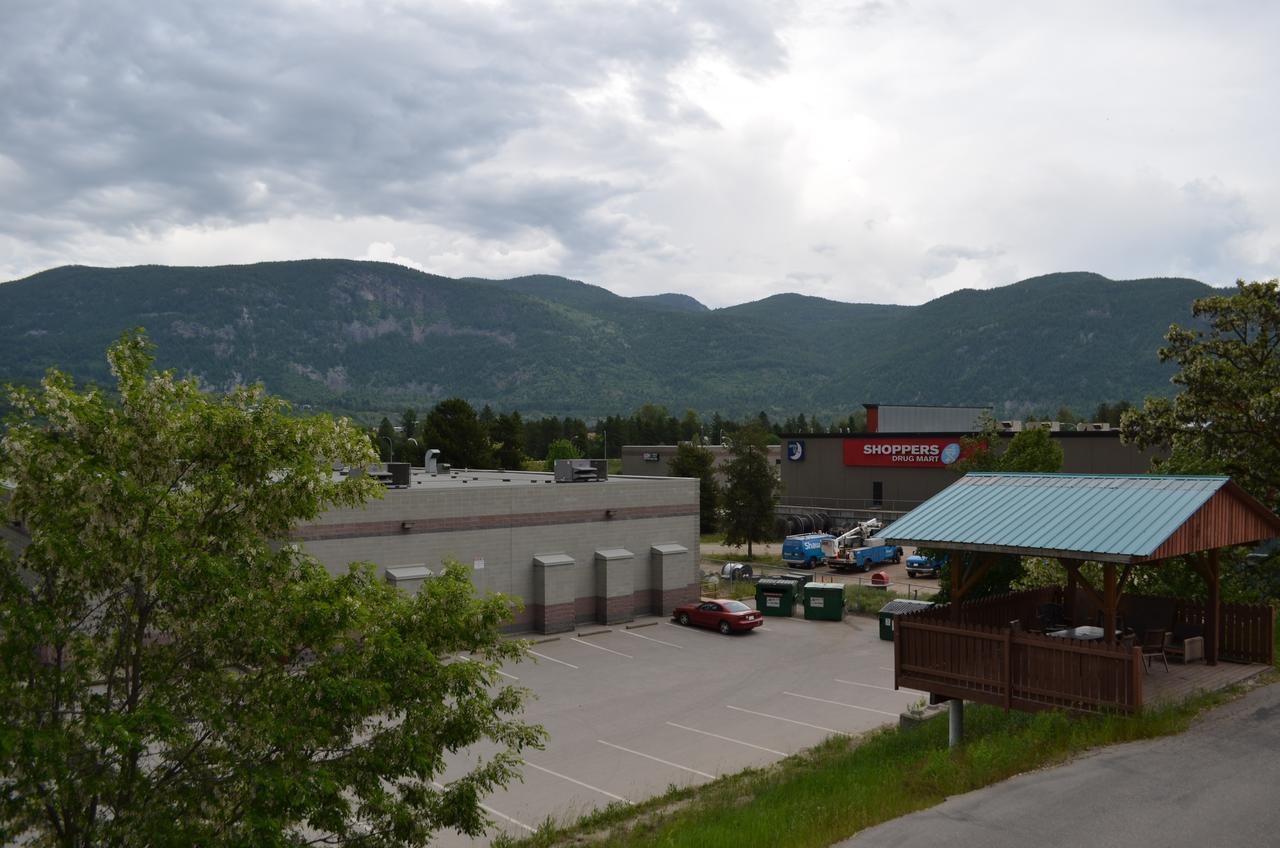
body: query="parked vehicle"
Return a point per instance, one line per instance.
(805, 550)
(923, 566)
(876, 552)
(721, 614)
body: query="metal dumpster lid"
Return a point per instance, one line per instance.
(827, 587)
(775, 583)
(901, 606)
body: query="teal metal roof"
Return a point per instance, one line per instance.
(1098, 516)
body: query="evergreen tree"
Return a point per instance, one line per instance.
(695, 461)
(751, 489)
(453, 427)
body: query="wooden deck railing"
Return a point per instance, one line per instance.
(983, 659)
(1025, 671)
(1246, 632)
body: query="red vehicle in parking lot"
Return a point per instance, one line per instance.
(721, 614)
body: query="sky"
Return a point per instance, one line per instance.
(885, 152)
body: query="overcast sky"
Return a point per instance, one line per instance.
(861, 151)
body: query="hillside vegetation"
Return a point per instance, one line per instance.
(369, 337)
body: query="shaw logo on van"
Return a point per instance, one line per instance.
(919, 452)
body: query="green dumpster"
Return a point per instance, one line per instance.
(775, 597)
(824, 601)
(892, 610)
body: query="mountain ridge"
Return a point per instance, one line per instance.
(370, 337)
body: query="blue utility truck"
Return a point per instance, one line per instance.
(923, 566)
(875, 552)
(805, 550)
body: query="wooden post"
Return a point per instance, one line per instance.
(1069, 595)
(1213, 613)
(1109, 603)
(1008, 669)
(957, 566)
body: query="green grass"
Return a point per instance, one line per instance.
(844, 785)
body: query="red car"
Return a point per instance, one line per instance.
(720, 614)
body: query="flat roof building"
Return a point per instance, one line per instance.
(574, 552)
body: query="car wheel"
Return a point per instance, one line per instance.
(813, 563)
(724, 627)
(684, 619)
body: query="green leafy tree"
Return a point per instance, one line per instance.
(173, 675)
(695, 461)
(1227, 416)
(453, 427)
(1031, 450)
(751, 488)
(561, 449)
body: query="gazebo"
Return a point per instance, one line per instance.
(986, 650)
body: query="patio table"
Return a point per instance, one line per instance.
(1084, 633)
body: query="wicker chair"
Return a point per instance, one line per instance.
(1186, 643)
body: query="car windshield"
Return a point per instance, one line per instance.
(736, 606)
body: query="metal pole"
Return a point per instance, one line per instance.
(391, 451)
(956, 735)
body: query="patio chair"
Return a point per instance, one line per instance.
(1186, 642)
(1051, 617)
(1152, 647)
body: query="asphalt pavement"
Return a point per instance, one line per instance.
(1218, 784)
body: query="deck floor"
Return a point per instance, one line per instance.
(1182, 681)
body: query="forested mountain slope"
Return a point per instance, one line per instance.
(373, 337)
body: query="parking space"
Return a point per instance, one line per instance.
(631, 710)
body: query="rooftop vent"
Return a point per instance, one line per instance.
(580, 470)
(401, 475)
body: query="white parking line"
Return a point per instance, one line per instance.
(881, 688)
(841, 704)
(789, 720)
(579, 782)
(651, 639)
(599, 647)
(727, 739)
(466, 658)
(552, 659)
(491, 810)
(659, 760)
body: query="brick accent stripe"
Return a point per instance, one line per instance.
(365, 529)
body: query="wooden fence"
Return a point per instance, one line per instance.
(983, 659)
(1024, 671)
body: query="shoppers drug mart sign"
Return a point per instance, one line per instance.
(906, 452)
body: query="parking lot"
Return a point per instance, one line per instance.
(632, 709)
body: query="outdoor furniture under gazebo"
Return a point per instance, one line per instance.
(967, 650)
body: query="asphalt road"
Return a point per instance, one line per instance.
(1218, 784)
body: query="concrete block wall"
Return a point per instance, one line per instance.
(500, 531)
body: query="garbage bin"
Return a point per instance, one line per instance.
(775, 596)
(824, 601)
(880, 580)
(892, 610)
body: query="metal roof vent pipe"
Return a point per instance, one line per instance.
(430, 462)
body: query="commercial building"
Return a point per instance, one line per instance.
(655, 460)
(574, 552)
(890, 470)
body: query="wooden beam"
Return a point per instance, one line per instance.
(957, 565)
(1213, 625)
(1073, 567)
(979, 571)
(1124, 578)
(1109, 597)
(1069, 594)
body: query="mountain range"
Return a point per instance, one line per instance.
(369, 338)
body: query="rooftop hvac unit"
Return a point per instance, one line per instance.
(401, 475)
(1051, 426)
(1098, 425)
(1010, 426)
(578, 471)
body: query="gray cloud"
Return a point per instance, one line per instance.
(893, 151)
